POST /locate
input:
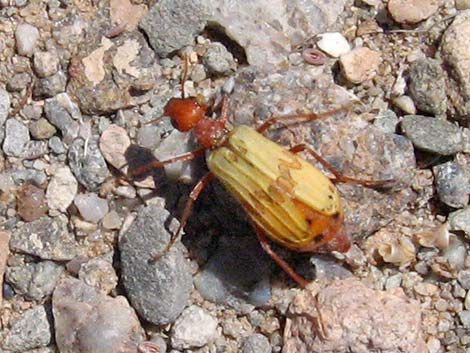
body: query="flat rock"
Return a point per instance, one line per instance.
(35, 281)
(91, 207)
(360, 64)
(88, 321)
(61, 190)
(158, 290)
(31, 202)
(16, 138)
(194, 328)
(455, 52)
(33, 329)
(113, 144)
(432, 134)
(412, 11)
(348, 316)
(46, 238)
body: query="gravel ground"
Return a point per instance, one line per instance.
(79, 80)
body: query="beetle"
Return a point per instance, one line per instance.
(287, 199)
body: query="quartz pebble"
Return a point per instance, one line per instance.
(194, 328)
(334, 44)
(360, 64)
(61, 189)
(412, 11)
(91, 207)
(26, 36)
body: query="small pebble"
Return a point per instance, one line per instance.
(99, 273)
(148, 136)
(360, 64)
(114, 142)
(91, 207)
(56, 145)
(194, 328)
(31, 203)
(19, 82)
(61, 189)
(334, 44)
(465, 318)
(452, 183)
(256, 343)
(218, 60)
(460, 221)
(405, 103)
(4, 106)
(16, 138)
(464, 279)
(45, 63)
(412, 11)
(198, 73)
(42, 129)
(26, 37)
(112, 220)
(462, 4)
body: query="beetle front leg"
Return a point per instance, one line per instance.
(338, 177)
(280, 261)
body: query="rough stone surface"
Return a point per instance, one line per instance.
(91, 207)
(61, 189)
(460, 221)
(412, 11)
(42, 129)
(427, 86)
(4, 110)
(348, 316)
(452, 183)
(63, 114)
(158, 290)
(46, 63)
(360, 64)
(4, 252)
(46, 238)
(113, 144)
(34, 281)
(16, 138)
(171, 25)
(99, 273)
(31, 202)
(218, 60)
(26, 36)
(50, 86)
(256, 343)
(82, 314)
(194, 328)
(31, 330)
(432, 135)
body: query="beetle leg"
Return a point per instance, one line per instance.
(307, 116)
(201, 184)
(338, 177)
(157, 164)
(280, 261)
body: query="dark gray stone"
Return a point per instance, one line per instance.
(236, 274)
(453, 184)
(32, 330)
(171, 25)
(47, 238)
(56, 145)
(50, 86)
(158, 290)
(34, 281)
(63, 114)
(427, 86)
(256, 343)
(432, 135)
(88, 166)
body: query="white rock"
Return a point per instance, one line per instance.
(91, 207)
(405, 103)
(26, 37)
(61, 189)
(46, 63)
(194, 328)
(334, 44)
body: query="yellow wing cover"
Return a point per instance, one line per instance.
(270, 182)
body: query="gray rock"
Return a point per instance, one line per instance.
(4, 107)
(19, 82)
(63, 114)
(148, 136)
(427, 86)
(50, 86)
(218, 60)
(37, 177)
(16, 138)
(158, 290)
(88, 321)
(386, 121)
(198, 73)
(99, 273)
(460, 221)
(91, 207)
(432, 135)
(26, 37)
(464, 279)
(87, 164)
(42, 129)
(256, 343)
(171, 25)
(453, 184)
(237, 274)
(35, 149)
(32, 330)
(46, 238)
(34, 281)
(464, 316)
(56, 145)
(46, 63)
(194, 328)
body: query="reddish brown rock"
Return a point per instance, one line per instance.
(347, 316)
(31, 202)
